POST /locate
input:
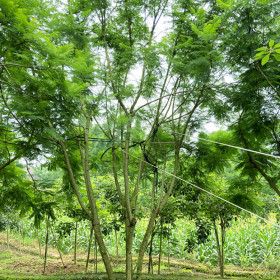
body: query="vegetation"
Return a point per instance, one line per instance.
(103, 111)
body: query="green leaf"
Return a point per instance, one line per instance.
(271, 43)
(262, 49)
(277, 51)
(260, 54)
(265, 59)
(222, 5)
(277, 56)
(277, 46)
(51, 131)
(262, 2)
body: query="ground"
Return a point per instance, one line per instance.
(24, 262)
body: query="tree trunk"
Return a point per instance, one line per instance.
(153, 217)
(95, 253)
(144, 243)
(56, 243)
(39, 243)
(19, 239)
(168, 245)
(160, 249)
(129, 240)
(150, 267)
(46, 245)
(103, 251)
(269, 180)
(8, 245)
(92, 203)
(89, 247)
(93, 215)
(223, 237)
(117, 246)
(221, 264)
(75, 246)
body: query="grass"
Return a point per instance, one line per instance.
(16, 265)
(251, 248)
(248, 242)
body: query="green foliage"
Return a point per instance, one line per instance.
(139, 74)
(265, 53)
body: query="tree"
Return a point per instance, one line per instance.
(253, 97)
(105, 64)
(215, 169)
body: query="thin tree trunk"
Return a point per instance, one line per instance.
(39, 243)
(223, 236)
(92, 203)
(95, 253)
(219, 251)
(153, 217)
(19, 239)
(168, 245)
(46, 245)
(150, 267)
(93, 213)
(160, 249)
(8, 245)
(89, 247)
(56, 243)
(75, 246)
(269, 180)
(117, 246)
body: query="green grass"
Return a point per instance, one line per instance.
(248, 244)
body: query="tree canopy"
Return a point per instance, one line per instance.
(115, 88)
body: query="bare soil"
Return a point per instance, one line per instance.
(24, 262)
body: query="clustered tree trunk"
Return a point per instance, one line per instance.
(220, 241)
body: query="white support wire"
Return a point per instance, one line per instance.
(197, 187)
(231, 146)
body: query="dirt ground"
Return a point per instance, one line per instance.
(24, 262)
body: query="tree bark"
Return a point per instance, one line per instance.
(129, 240)
(89, 247)
(221, 264)
(160, 248)
(153, 217)
(168, 245)
(75, 246)
(93, 214)
(39, 243)
(95, 254)
(117, 247)
(19, 239)
(150, 267)
(46, 245)
(8, 245)
(93, 207)
(223, 237)
(269, 180)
